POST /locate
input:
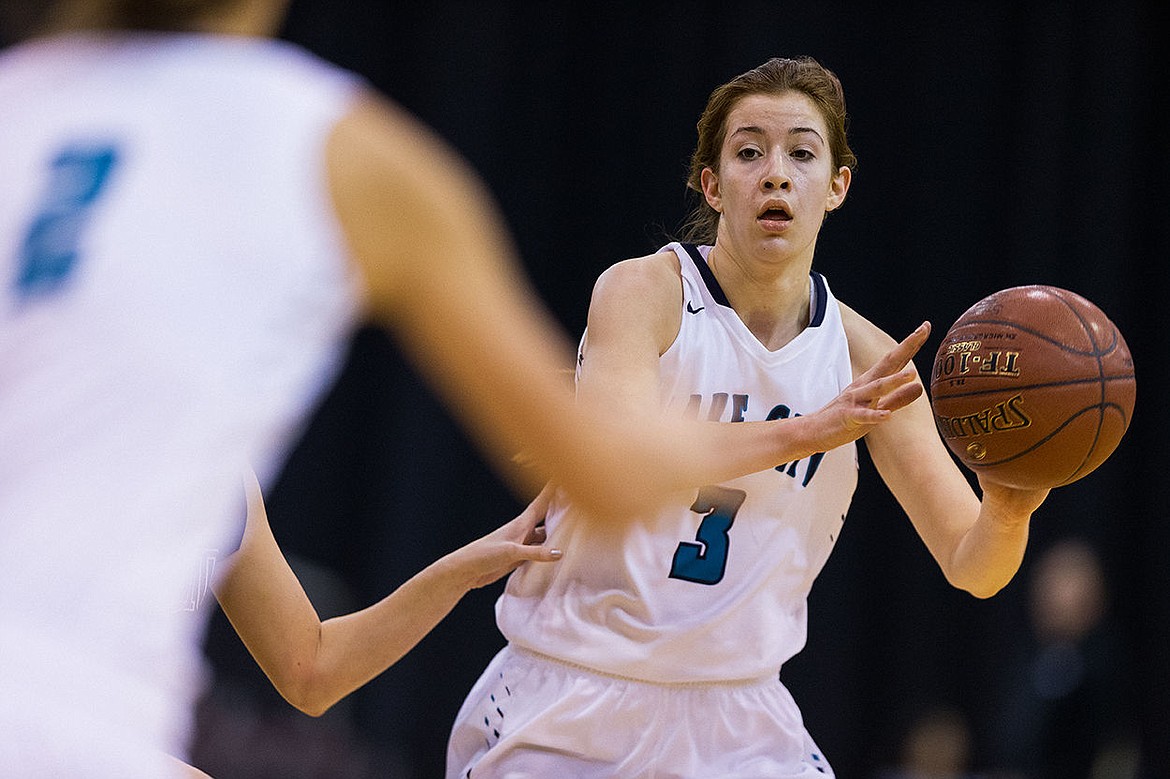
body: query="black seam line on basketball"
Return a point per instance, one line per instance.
(1018, 388)
(1095, 352)
(1100, 364)
(1045, 439)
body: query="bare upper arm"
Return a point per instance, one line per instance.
(867, 341)
(264, 600)
(894, 444)
(634, 317)
(258, 565)
(907, 449)
(910, 433)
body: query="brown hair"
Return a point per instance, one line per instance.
(28, 17)
(777, 75)
(165, 15)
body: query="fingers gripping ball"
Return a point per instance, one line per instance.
(1033, 387)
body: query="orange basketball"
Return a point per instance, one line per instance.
(1033, 387)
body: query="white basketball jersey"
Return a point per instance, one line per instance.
(713, 590)
(175, 298)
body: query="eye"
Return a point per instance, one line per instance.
(749, 153)
(803, 154)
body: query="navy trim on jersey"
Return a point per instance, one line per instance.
(708, 277)
(820, 299)
(820, 293)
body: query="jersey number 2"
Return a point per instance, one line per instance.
(705, 562)
(49, 252)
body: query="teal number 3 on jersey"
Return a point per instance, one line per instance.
(705, 562)
(48, 256)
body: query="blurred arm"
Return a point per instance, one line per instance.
(634, 317)
(442, 275)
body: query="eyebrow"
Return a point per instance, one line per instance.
(754, 130)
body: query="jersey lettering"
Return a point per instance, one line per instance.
(739, 406)
(814, 461)
(706, 561)
(199, 587)
(49, 253)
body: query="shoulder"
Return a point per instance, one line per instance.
(867, 342)
(380, 147)
(654, 274)
(643, 294)
(382, 135)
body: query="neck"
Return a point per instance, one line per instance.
(771, 299)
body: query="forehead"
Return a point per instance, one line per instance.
(775, 113)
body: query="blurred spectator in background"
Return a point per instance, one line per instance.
(1066, 709)
(937, 746)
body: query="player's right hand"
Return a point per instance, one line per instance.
(872, 398)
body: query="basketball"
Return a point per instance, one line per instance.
(1033, 387)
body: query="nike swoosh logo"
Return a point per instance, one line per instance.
(692, 310)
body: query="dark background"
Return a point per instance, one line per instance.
(1000, 144)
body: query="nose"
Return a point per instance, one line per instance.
(776, 177)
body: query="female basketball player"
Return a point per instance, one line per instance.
(194, 218)
(653, 648)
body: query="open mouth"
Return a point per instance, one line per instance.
(774, 214)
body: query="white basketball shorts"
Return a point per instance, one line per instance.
(533, 717)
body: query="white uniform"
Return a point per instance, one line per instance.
(706, 599)
(175, 298)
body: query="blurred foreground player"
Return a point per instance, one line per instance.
(193, 219)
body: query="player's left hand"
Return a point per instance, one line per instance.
(504, 549)
(1011, 501)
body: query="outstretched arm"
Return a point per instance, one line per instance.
(314, 664)
(978, 544)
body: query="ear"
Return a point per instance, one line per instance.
(838, 188)
(710, 181)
